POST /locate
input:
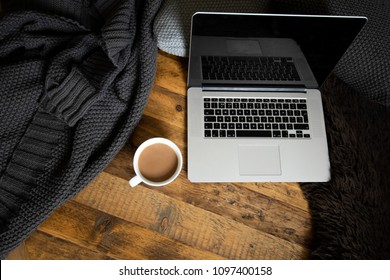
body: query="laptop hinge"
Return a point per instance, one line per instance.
(274, 88)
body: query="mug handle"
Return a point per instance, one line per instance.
(135, 181)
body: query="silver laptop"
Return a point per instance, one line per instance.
(254, 108)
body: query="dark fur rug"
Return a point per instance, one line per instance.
(351, 213)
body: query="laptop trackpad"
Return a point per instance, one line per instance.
(259, 160)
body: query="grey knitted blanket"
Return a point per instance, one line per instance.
(74, 79)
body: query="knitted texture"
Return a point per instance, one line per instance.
(74, 81)
(364, 66)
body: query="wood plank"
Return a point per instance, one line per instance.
(114, 237)
(184, 222)
(172, 73)
(42, 246)
(151, 127)
(251, 208)
(167, 106)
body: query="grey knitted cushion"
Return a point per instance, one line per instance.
(173, 22)
(364, 67)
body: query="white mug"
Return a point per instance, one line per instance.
(147, 144)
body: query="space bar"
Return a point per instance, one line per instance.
(253, 133)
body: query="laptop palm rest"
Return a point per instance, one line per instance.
(259, 160)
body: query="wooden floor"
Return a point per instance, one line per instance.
(110, 220)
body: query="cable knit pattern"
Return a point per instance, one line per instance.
(74, 80)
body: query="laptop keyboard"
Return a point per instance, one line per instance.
(260, 117)
(247, 68)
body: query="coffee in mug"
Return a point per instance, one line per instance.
(157, 162)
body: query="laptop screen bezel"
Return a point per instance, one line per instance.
(316, 34)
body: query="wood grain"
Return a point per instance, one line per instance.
(100, 232)
(183, 221)
(110, 220)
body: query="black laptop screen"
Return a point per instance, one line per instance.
(323, 39)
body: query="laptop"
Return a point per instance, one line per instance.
(254, 105)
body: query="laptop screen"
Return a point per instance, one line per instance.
(322, 39)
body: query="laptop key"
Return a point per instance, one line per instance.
(301, 126)
(276, 133)
(302, 106)
(210, 119)
(231, 133)
(208, 125)
(254, 133)
(207, 133)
